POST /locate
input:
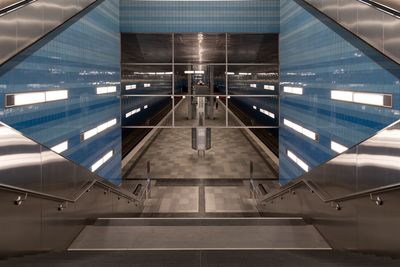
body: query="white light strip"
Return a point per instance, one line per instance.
(383, 100)
(253, 85)
(145, 107)
(298, 161)
(230, 73)
(254, 107)
(130, 113)
(189, 71)
(102, 127)
(338, 147)
(101, 161)
(61, 147)
(269, 87)
(130, 86)
(244, 73)
(266, 112)
(147, 85)
(293, 90)
(199, 72)
(310, 134)
(20, 99)
(106, 90)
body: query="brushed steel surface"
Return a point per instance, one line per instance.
(340, 197)
(347, 14)
(391, 36)
(20, 162)
(26, 25)
(38, 224)
(29, 24)
(378, 27)
(8, 37)
(330, 8)
(20, 225)
(7, 3)
(370, 26)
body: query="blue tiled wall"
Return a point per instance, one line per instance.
(244, 16)
(84, 55)
(321, 57)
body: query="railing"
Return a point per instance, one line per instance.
(377, 146)
(7, 6)
(62, 200)
(372, 193)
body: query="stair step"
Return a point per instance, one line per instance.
(199, 234)
(252, 258)
(199, 221)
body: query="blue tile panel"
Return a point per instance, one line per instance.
(321, 58)
(78, 58)
(250, 16)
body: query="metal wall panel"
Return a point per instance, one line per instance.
(32, 21)
(366, 21)
(20, 162)
(8, 36)
(370, 26)
(40, 223)
(392, 36)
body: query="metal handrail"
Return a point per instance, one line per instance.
(368, 192)
(64, 200)
(15, 6)
(380, 6)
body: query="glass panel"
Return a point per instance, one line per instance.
(253, 48)
(146, 111)
(253, 80)
(199, 80)
(151, 80)
(253, 111)
(193, 111)
(146, 48)
(200, 48)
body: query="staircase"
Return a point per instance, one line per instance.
(200, 242)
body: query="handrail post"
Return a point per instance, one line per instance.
(148, 184)
(252, 187)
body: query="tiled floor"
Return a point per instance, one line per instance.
(199, 200)
(173, 199)
(171, 156)
(228, 199)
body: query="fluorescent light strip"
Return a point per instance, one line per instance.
(269, 87)
(310, 134)
(189, 71)
(253, 85)
(266, 112)
(101, 161)
(293, 90)
(145, 107)
(147, 85)
(20, 99)
(374, 99)
(254, 107)
(338, 147)
(106, 90)
(298, 161)
(94, 131)
(230, 73)
(127, 115)
(130, 86)
(61, 147)
(244, 73)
